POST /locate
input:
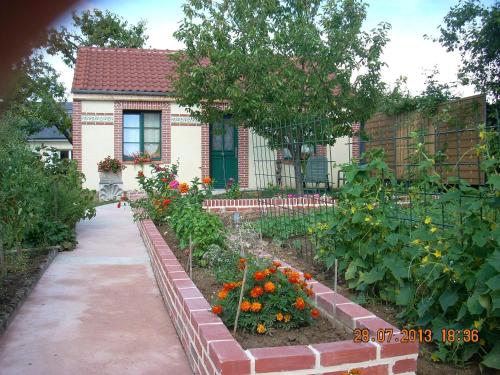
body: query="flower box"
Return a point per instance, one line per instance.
(211, 349)
(110, 177)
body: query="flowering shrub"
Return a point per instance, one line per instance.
(110, 165)
(141, 158)
(272, 298)
(180, 205)
(440, 275)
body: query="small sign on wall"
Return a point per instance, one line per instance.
(98, 118)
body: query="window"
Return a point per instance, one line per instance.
(141, 134)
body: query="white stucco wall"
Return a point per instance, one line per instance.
(266, 175)
(338, 154)
(186, 149)
(98, 106)
(97, 143)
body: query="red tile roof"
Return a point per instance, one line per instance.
(123, 70)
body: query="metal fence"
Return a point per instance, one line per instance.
(299, 164)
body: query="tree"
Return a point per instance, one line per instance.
(473, 30)
(277, 62)
(34, 98)
(100, 29)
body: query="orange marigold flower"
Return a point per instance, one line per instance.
(256, 292)
(259, 275)
(245, 306)
(256, 307)
(217, 309)
(183, 187)
(294, 277)
(308, 276)
(355, 371)
(222, 294)
(299, 304)
(229, 286)
(279, 317)
(261, 328)
(276, 263)
(242, 263)
(288, 317)
(309, 292)
(207, 180)
(272, 270)
(314, 313)
(266, 272)
(269, 287)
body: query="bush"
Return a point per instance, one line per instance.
(180, 205)
(441, 274)
(272, 298)
(41, 197)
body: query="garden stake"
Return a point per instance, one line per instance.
(335, 290)
(241, 299)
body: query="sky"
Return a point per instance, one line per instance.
(407, 54)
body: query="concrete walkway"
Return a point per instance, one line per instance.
(96, 310)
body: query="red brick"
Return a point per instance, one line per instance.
(195, 304)
(211, 332)
(347, 313)
(189, 293)
(179, 275)
(229, 358)
(394, 348)
(183, 284)
(326, 301)
(337, 353)
(405, 365)
(203, 317)
(283, 358)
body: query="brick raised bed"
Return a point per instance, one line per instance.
(256, 204)
(211, 349)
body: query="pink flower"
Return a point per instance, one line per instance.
(173, 184)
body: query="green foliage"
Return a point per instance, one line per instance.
(94, 29)
(180, 205)
(233, 190)
(280, 61)
(271, 298)
(41, 200)
(33, 98)
(110, 165)
(472, 29)
(437, 259)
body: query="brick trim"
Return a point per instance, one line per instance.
(243, 168)
(166, 131)
(355, 143)
(77, 133)
(211, 349)
(205, 150)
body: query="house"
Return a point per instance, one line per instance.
(123, 105)
(53, 137)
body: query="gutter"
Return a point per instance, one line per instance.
(122, 92)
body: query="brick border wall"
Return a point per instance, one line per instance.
(166, 133)
(256, 204)
(211, 349)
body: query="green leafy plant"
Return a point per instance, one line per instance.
(110, 165)
(271, 298)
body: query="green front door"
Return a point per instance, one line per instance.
(223, 153)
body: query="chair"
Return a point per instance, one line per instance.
(317, 171)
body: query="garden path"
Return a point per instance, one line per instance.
(96, 310)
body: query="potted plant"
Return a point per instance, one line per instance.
(110, 171)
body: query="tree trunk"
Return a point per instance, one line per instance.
(297, 168)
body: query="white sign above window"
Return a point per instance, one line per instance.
(176, 119)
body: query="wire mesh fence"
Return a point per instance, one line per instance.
(300, 165)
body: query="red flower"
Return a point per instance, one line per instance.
(276, 263)
(119, 204)
(314, 313)
(308, 276)
(229, 286)
(217, 309)
(294, 277)
(299, 304)
(259, 275)
(163, 179)
(256, 292)
(207, 180)
(166, 202)
(140, 174)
